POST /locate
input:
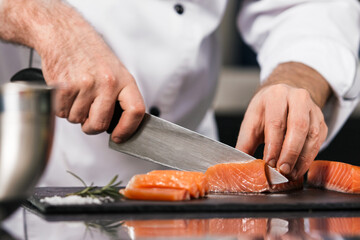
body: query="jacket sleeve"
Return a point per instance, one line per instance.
(323, 34)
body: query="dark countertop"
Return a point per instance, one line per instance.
(238, 222)
(27, 224)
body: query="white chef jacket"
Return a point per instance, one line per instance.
(174, 57)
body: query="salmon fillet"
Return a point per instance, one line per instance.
(345, 226)
(218, 228)
(173, 185)
(244, 177)
(336, 176)
(167, 185)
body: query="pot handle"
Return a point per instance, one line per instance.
(29, 75)
(36, 75)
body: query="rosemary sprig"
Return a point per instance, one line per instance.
(110, 190)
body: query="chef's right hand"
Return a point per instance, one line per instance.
(89, 77)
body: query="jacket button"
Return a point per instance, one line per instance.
(155, 111)
(179, 9)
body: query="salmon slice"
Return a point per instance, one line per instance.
(336, 176)
(218, 228)
(239, 227)
(244, 177)
(237, 177)
(171, 179)
(173, 185)
(167, 185)
(167, 228)
(345, 226)
(197, 177)
(156, 194)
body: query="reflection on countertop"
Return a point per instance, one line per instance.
(25, 224)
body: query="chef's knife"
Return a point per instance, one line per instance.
(168, 144)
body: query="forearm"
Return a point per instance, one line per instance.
(37, 23)
(301, 76)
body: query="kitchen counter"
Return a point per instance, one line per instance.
(28, 223)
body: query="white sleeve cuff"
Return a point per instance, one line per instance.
(334, 62)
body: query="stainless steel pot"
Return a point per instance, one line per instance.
(26, 134)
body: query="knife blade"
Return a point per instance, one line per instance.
(168, 144)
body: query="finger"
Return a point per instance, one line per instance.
(64, 98)
(316, 136)
(275, 127)
(80, 108)
(298, 122)
(133, 105)
(100, 114)
(251, 130)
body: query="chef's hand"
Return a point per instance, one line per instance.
(89, 77)
(285, 114)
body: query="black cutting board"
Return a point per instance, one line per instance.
(306, 199)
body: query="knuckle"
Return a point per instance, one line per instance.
(87, 81)
(277, 89)
(303, 159)
(137, 110)
(292, 153)
(314, 132)
(76, 119)
(303, 94)
(108, 79)
(280, 87)
(277, 124)
(98, 127)
(301, 125)
(62, 113)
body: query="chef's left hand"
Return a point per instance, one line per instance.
(286, 115)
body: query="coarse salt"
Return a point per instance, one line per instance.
(75, 200)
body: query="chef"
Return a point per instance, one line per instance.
(162, 57)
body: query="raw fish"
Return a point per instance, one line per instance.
(244, 177)
(336, 176)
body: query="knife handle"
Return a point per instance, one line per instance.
(115, 118)
(36, 75)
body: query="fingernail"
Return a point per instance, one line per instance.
(285, 168)
(272, 163)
